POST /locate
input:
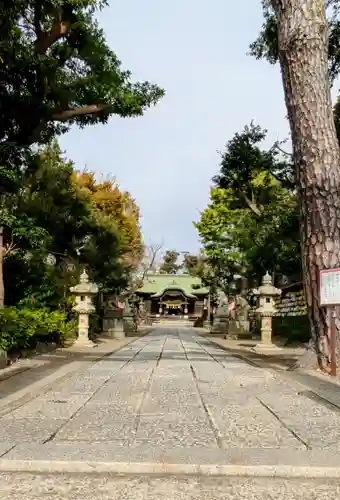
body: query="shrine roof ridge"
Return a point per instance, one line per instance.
(154, 284)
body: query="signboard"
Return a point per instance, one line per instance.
(330, 287)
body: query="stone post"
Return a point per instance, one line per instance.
(84, 292)
(266, 310)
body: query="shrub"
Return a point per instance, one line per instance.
(23, 328)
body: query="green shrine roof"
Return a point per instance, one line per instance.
(157, 284)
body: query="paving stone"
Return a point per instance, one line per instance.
(172, 398)
(146, 400)
(52, 405)
(95, 426)
(5, 447)
(175, 430)
(87, 487)
(81, 384)
(317, 425)
(28, 429)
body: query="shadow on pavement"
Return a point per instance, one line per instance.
(27, 371)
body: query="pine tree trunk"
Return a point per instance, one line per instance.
(2, 288)
(303, 51)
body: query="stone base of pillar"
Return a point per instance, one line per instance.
(265, 348)
(83, 343)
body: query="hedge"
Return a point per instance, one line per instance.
(23, 328)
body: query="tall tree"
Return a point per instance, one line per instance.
(251, 222)
(190, 264)
(266, 44)
(57, 69)
(50, 214)
(119, 207)
(302, 34)
(170, 263)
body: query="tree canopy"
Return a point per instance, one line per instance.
(251, 222)
(53, 214)
(119, 208)
(170, 263)
(57, 69)
(266, 44)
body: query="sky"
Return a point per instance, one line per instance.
(197, 51)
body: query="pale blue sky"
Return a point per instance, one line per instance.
(197, 51)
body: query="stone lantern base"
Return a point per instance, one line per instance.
(266, 345)
(83, 341)
(266, 348)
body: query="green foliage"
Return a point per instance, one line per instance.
(193, 264)
(50, 214)
(24, 328)
(251, 222)
(57, 69)
(170, 265)
(266, 44)
(296, 329)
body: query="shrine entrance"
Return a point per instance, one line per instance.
(172, 303)
(173, 297)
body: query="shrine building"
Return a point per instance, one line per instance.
(174, 295)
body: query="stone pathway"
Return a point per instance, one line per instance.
(172, 401)
(90, 487)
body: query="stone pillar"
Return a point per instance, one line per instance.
(266, 331)
(267, 294)
(84, 292)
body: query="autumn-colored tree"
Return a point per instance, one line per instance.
(51, 214)
(119, 208)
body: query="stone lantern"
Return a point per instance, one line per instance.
(84, 292)
(266, 310)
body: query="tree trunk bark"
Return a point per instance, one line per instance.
(2, 288)
(303, 52)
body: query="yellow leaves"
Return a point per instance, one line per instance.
(117, 207)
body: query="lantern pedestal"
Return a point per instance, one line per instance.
(266, 293)
(84, 292)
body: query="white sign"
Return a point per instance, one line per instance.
(330, 287)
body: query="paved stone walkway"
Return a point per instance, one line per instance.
(90, 487)
(173, 397)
